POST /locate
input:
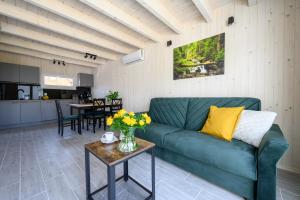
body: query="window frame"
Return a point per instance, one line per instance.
(57, 85)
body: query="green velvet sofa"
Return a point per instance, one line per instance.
(236, 166)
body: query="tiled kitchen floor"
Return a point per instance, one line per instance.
(37, 164)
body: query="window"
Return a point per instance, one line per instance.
(58, 81)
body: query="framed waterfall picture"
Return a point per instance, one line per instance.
(200, 58)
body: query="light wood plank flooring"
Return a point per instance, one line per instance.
(37, 164)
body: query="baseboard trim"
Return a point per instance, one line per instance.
(27, 124)
(290, 169)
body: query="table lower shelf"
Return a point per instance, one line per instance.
(123, 177)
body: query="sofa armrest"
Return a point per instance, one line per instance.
(270, 150)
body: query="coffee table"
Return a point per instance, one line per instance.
(111, 156)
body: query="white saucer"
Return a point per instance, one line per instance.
(108, 142)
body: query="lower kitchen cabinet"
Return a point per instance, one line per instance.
(31, 111)
(48, 110)
(9, 113)
(15, 113)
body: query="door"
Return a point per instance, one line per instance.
(9, 72)
(29, 74)
(85, 80)
(9, 113)
(48, 110)
(31, 111)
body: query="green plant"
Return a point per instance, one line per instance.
(112, 95)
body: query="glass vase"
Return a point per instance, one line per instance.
(127, 143)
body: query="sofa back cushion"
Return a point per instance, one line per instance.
(169, 111)
(198, 108)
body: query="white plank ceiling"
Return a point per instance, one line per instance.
(67, 29)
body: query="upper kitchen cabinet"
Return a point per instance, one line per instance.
(19, 74)
(9, 72)
(29, 75)
(85, 80)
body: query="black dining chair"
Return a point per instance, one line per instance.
(115, 106)
(98, 113)
(64, 121)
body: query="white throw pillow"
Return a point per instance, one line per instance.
(253, 125)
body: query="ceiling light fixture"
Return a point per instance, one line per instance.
(91, 56)
(59, 62)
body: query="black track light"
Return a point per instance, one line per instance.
(59, 62)
(91, 56)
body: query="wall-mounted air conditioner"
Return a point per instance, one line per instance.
(133, 57)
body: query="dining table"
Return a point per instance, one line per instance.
(82, 107)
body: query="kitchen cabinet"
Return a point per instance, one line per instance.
(85, 80)
(19, 73)
(18, 113)
(9, 72)
(9, 113)
(29, 75)
(48, 109)
(31, 111)
(65, 107)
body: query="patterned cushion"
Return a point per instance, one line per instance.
(199, 107)
(253, 125)
(169, 111)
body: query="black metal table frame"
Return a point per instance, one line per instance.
(111, 180)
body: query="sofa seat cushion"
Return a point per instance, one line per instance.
(155, 133)
(236, 157)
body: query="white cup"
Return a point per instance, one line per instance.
(108, 136)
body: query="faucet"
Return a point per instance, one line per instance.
(20, 90)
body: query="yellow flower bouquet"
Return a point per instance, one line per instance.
(127, 123)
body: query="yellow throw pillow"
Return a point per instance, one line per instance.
(221, 122)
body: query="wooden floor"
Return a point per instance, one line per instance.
(37, 164)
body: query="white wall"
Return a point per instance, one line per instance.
(262, 59)
(46, 67)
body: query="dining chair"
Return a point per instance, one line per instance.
(98, 113)
(116, 105)
(64, 121)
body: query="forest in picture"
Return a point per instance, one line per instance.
(201, 58)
